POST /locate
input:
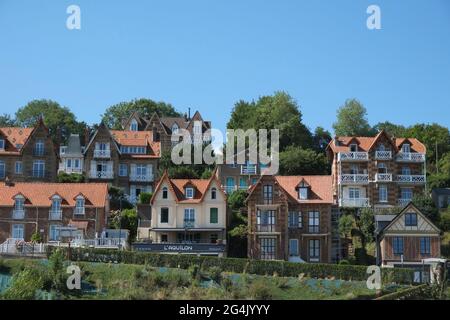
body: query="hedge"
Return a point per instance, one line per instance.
(238, 265)
(415, 293)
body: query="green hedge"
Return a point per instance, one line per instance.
(237, 265)
(419, 292)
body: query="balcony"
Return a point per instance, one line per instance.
(354, 179)
(354, 203)
(353, 156)
(265, 227)
(141, 177)
(383, 177)
(411, 179)
(70, 170)
(410, 157)
(403, 202)
(18, 214)
(250, 169)
(55, 214)
(383, 155)
(103, 154)
(189, 224)
(101, 174)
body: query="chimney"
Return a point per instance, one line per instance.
(189, 113)
(8, 182)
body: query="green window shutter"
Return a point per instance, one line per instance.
(214, 215)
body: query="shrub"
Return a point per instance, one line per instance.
(25, 285)
(215, 273)
(260, 290)
(144, 197)
(36, 237)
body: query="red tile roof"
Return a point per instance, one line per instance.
(138, 139)
(14, 136)
(321, 187)
(39, 193)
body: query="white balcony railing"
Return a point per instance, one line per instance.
(413, 179)
(354, 179)
(141, 177)
(18, 214)
(403, 202)
(70, 170)
(383, 155)
(101, 174)
(55, 215)
(354, 203)
(250, 169)
(102, 153)
(383, 177)
(353, 156)
(410, 157)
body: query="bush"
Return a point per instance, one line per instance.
(25, 285)
(36, 237)
(144, 197)
(237, 265)
(70, 178)
(260, 290)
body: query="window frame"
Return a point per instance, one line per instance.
(164, 211)
(314, 222)
(187, 191)
(409, 221)
(268, 248)
(314, 250)
(398, 246)
(211, 215)
(425, 246)
(268, 194)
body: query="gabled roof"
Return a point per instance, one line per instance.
(39, 194)
(14, 136)
(380, 134)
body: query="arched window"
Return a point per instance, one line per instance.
(164, 193)
(134, 125)
(213, 193)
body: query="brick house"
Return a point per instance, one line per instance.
(126, 159)
(404, 240)
(163, 127)
(377, 172)
(187, 215)
(46, 208)
(289, 218)
(27, 154)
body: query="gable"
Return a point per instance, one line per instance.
(424, 225)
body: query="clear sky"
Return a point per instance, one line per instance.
(208, 54)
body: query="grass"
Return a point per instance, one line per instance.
(126, 281)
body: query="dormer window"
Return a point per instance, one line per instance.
(79, 205)
(62, 149)
(19, 203)
(175, 128)
(2, 144)
(213, 193)
(406, 148)
(303, 193)
(189, 193)
(353, 147)
(134, 125)
(164, 193)
(56, 204)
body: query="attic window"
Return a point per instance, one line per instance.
(303, 193)
(134, 125)
(353, 147)
(2, 144)
(411, 219)
(174, 128)
(406, 148)
(213, 193)
(164, 193)
(189, 193)
(79, 205)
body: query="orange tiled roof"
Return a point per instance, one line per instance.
(200, 186)
(132, 138)
(321, 187)
(39, 194)
(365, 143)
(14, 136)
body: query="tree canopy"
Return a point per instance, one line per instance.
(115, 114)
(7, 121)
(299, 161)
(352, 120)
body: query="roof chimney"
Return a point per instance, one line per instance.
(8, 182)
(189, 113)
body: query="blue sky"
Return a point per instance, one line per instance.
(208, 54)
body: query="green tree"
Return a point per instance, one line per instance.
(391, 128)
(345, 225)
(236, 200)
(114, 115)
(59, 120)
(118, 199)
(367, 224)
(144, 197)
(25, 285)
(352, 120)
(426, 205)
(126, 219)
(238, 230)
(322, 138)
(298, 161)
(7, 121)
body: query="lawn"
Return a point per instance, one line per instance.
(127, 281)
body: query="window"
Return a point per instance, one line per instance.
(354, 169)
(267, 194)
(303, 193)
(353, 193)
(382, 168)
(164, 238)
(79, 205)
(265, 221)
(164, 215)
(17, 231)
(295, 220)
(406, 171)
(411, 219)
(2, 169)
(213, 193)
(398, 245)
(39, 148)
(314, 250)
(174, 128)
(62, 149)
(123, 170)
(381, 147)
(19, 203)
(164, 193)
(353, 147)
(189, 193)
(38, 169)
(313, 221)
(2, 143)
(213, 215)
(425, 245)
(134, 125)
(383, 193)
(406, 148)
(293, 247)
(69, 163)
(19, 169)
(56, 204)
(141, 170)
(103, 146)
(406, 193)
(254, 181)
(76, 163)
(243, 183)
(54, 232)
(267, 248)
(189, 217)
